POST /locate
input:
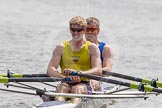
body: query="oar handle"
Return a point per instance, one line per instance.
(67, 79)
(73, 73)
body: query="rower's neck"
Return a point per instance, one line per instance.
(76, 45)
(97, 42)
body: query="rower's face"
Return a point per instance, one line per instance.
(91, 32)
(77, 32)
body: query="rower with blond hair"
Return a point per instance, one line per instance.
(76, 55)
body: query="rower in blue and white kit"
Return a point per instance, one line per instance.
(106, 55)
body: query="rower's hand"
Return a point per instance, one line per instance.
(68, 71)
(72, 74)
(75, 79)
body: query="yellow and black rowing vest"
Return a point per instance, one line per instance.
(79, 61)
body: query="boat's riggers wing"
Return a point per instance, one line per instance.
(95, 96)
(16, 91)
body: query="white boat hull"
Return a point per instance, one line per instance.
(55, 104)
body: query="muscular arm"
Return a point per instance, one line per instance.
(54, 62)
(107, 58)
(95, 60)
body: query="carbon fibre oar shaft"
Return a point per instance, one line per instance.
(19, 75)
(152, 82)
(30, 79)
(140, 87)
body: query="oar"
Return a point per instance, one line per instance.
(32, 79)
(152, 82)
(140, 87)
(19, 75)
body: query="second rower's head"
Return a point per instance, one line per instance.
(93, 28)
(78, 26)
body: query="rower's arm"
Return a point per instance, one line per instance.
(107, 58)
(95, 60)
(54, 62)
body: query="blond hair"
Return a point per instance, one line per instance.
(78, 20)
(93, 20)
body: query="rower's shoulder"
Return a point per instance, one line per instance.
(107, 49)
(59, 46)
(92, 45)
(107, 46)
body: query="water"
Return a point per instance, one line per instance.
(30, 29)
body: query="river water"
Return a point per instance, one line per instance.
(30, 29)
